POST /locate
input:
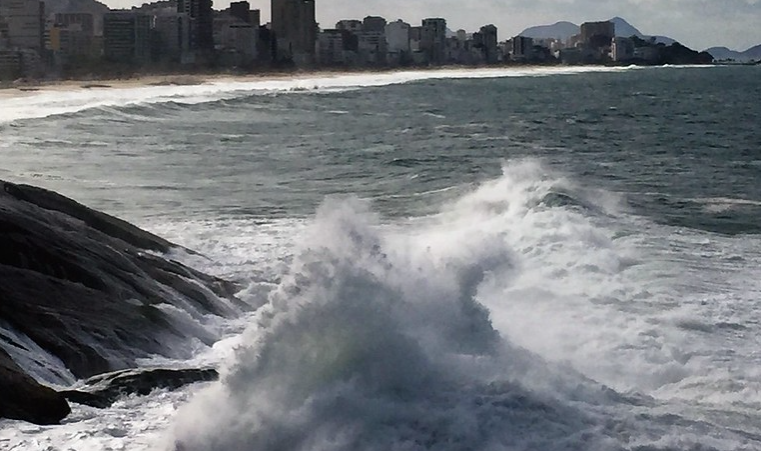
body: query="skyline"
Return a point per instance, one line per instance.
(698, 24)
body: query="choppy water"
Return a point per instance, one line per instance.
(490, 260)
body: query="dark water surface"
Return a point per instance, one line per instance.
(682, 144)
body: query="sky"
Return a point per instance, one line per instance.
(698, 24)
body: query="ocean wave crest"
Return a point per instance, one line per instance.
(377, 339)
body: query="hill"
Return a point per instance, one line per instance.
(723, 53)
(560, 30)
(754, 52)
(627, 30)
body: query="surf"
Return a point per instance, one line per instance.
(386, 336)
(67, 100)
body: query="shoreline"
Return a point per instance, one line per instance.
(30, 88)
(21, 89)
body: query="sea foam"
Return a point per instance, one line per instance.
(378, 337)
(366, 345)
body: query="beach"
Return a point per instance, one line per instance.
(26, 88)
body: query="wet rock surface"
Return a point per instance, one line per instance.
(103, 390)
(92, 290)
(23, 398)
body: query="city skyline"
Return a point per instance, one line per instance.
(700, 24)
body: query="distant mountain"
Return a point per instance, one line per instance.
(560, 30)
(564, 30)
(627, 30)
(723, 53)
(624, 28)
(754, 52)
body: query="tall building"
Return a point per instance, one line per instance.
(243, 12)
(433, 42)
(398, 36)
(255, 18)
(489, 44)
(266, 46)
(371, 47)
(622, 49)
(127, 36)
(85, 21)
(238, 42)
(24, 23)
(295, 28)
(374, 24)
(20, 63)
(172, 31)
(416, 45)
(202, 23)
(72, 35)
(350, 25)
(331, 47)
(10, 64)
(4, 39)
(398, 42)
(522, 48)
(597, 35)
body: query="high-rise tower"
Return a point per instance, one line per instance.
(434, 40)
(25, 23)
(295, 28)
(202, 23)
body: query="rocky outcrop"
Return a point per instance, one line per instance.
(102, 222)
(678, 54)
(103, 390)
(95, 291)
(25, 399)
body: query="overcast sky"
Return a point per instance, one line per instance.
(698, 24)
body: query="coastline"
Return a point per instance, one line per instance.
(33, 87)
(26, 88)
(30, 88)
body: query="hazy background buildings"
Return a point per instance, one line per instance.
(81, 38)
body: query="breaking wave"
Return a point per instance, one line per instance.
(395, 337)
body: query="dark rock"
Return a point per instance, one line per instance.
(81, 286)
(109, 225)
(24, 399)
(676, 53)
(103, 390)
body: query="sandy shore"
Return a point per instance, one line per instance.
(15, 90)
(30, 88)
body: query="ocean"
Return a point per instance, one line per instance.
(489, 259)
